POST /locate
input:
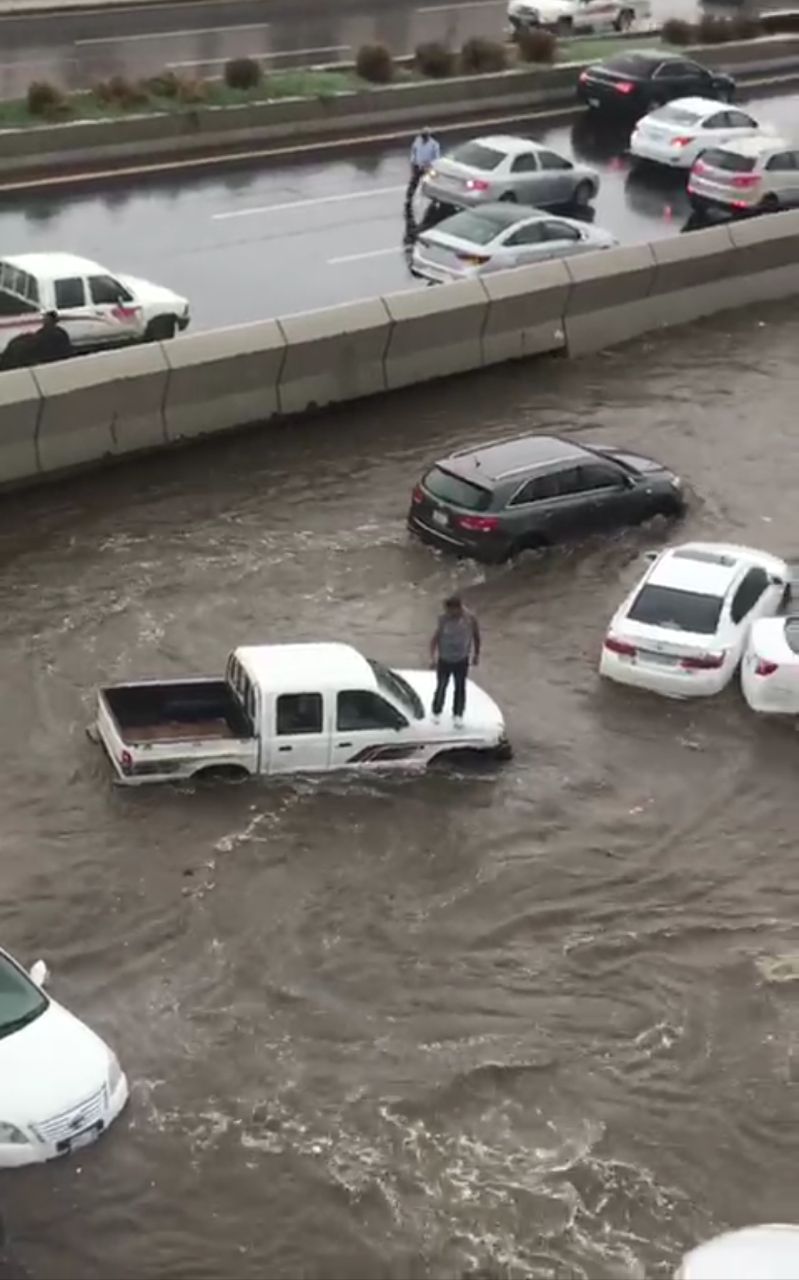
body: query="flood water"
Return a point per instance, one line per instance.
(535, 1021)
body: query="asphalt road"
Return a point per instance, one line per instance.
(276, 241)
(77, 49)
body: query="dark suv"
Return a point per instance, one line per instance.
(496, 500)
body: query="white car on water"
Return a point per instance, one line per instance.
(770, 669)
(60, 1084)
(683, 628)
(579, 15)
(676, 135)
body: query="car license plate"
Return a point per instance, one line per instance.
(593, 102)
(85, 1138)
(659, 659)
(440, 518)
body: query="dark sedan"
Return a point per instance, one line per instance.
(496, 500)
(638, 82)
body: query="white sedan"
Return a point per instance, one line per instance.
(770, 669)
(677, 134)
(499, 237)
(683, 628)
(60, 1084)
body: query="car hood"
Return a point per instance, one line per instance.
(482, 715)
(147, 292)
(49, 1066)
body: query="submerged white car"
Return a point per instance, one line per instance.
(770, 669)
(60, 1084)
(683, 628)
(676, 135)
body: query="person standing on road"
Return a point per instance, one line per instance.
(424, 152)
(455, 642)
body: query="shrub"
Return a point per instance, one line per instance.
(44, 99)
(435, 60)
(119, 92)
(713, 30)
(192, 92)
(242, 73)
(478, 56)
(537, 45)
(374, 63)
(166, 85)
(677, 31)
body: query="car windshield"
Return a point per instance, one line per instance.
(461, 493)
(478, 228)
(675, 115)
(20, 1001)
(729, 160)
(393, 684)
(677, 610)
(477, 156)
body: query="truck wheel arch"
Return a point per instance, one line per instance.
(221, 773)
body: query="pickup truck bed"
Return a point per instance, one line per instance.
(174, 711)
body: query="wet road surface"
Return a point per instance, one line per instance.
(529, 1022)
(278, 240)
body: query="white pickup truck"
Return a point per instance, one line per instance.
(97, 308)
(566, 16)
(287, 708)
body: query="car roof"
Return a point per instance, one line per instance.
(497, 461)
(757, 145)
(306, 668)
(708, 568)
(509, 143)
(653, 56)
(57, 265)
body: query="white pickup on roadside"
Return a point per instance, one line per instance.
(96, 307)
(283, 709)
(565, 16)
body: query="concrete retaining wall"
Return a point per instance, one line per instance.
(56, 417)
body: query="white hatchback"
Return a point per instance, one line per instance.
(677, 134)
(682, 630)
(770, 669)
(60, 1084)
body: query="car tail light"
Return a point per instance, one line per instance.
(477, 184)
(704, 662)
(746, 181)
(765, 668)
(623, 647)
(682, 142)
(473, 259)
(418, 494)
(126, 760)
(624, 86)
(479, 524)
(699, 167)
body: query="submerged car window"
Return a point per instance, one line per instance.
(461, 493)
(682, 610)
(728, 160)
(475, 227)
(477, 156)
(392, 683)
(20, 1001)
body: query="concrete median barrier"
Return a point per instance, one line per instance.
(435, 332)
(609, 300)
(767, 250)
(100, 405)
(223, 379)
(20, 403)
(525, 311)
(332, 355)
(695, 275)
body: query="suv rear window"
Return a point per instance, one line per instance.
(729, 160)
(682, 610)
(461, 493)
(477, 156)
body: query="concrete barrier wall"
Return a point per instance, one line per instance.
(56, 417)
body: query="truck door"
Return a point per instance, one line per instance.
(368, 731)
(300, 741)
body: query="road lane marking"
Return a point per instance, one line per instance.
(360, 257)
(304, 204)
(170, 35)
(285, 53)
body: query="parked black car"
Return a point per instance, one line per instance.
(495, 500)
(637, 82)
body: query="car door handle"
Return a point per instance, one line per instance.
(345, 744)
(285, 748)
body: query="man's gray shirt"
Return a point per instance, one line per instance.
(457, 636)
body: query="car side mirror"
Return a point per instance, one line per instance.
(776, 581)
(39, 973)
(650, 556)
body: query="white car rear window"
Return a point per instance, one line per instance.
(477, 156)
(676, 610)
(675, 115)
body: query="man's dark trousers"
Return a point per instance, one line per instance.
(458, 671)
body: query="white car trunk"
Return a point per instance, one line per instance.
(658, 646)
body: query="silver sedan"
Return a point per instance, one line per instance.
(498, 237)
(505, 168)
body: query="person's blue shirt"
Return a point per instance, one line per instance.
(424, 151)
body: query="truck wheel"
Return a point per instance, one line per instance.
(222, 773)
(161, 329)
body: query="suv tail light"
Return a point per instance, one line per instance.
(418, 494)
(583, 77)
(704, 662)
(479, 524)
(765, 668)
(477, 184)
(682, 142)
(624, 86)
(473, 259)
(746, 181)
(699, 166)
(126, 761)
(623, 647)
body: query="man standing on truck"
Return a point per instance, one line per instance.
(455, 642)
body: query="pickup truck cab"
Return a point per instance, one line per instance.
(287, 708)
(96, 307)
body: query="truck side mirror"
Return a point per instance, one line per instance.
(39, 973)
(650, 556)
